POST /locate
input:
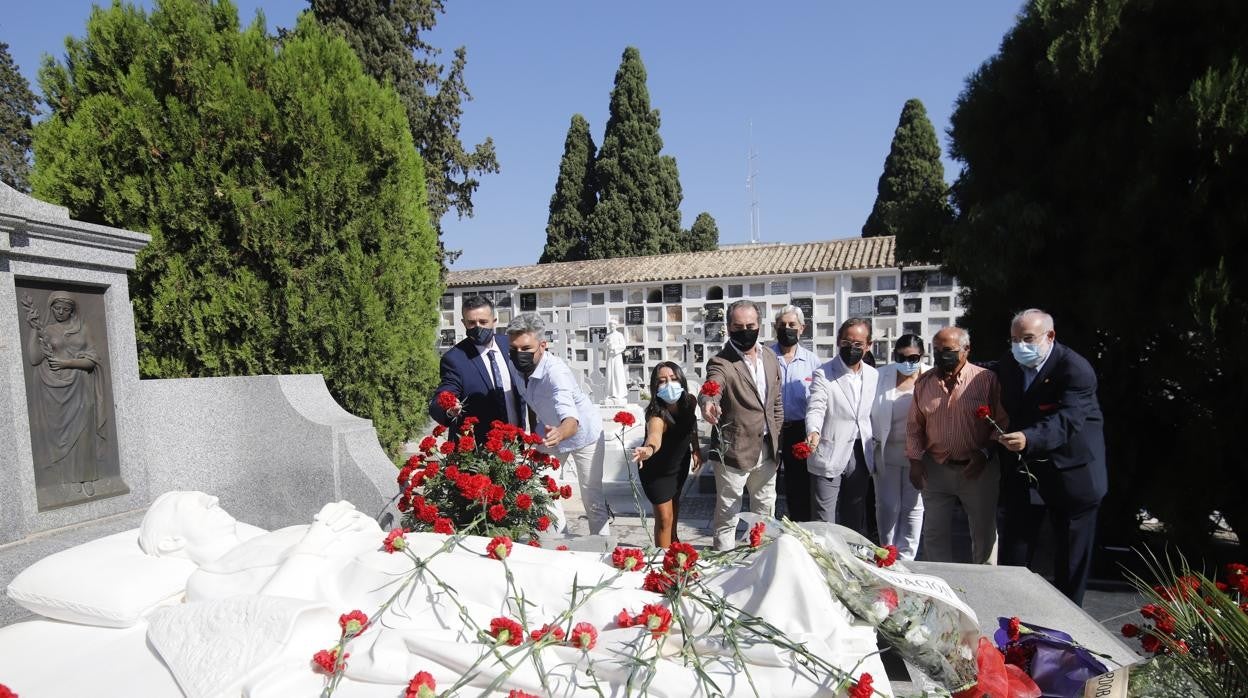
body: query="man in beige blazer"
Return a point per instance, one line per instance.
(748, 412)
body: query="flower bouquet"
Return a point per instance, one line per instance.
(1058, 665)
(919, 615)
(485, 489)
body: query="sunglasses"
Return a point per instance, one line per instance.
(910, 359)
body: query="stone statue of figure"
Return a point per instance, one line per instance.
(617, 377)
(68, 409)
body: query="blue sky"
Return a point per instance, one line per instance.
(822, 82)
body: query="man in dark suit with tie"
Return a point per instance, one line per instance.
(1049, 391)
(479, 372)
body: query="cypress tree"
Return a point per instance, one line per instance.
(639, 191)
(17, 107)
(704, 235)
(388, 38)
(912, 201)
(574, 197)
(281, 189)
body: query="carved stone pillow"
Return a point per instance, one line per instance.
(107, 582)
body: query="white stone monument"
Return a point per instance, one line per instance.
(617, 375)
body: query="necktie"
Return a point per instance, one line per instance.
(494, 373)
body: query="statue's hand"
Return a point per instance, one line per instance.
(334, 523)
(54, 363)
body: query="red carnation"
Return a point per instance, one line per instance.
(680, 557)
(523, 472)
(466, 444)
(658, 582)
(444, 526)
(627, 559)
(452, 472)
(801, 450)
(1151, 644)
(885, 556)
(6, 692)
(499, 547)
(656, 618)
(626, 418)
(983, 412)
(565, 491)
(756, 534)
(861, 687)
(517, 693)
(353, 623)
(553, 631)
(534, 543)
(448, 447)
(561, 547)
(507, 631)
(495, 493)
(551, 486)
(447, 401)
(422, 685)
(414, 460)
(394, 541)
(543, 523)
(1130, 630)
(506, 455)
(889, 597)
(428, 443)
(497, 512)
(326, 660)
(710, 389)
(438, 430)
(524, 501)
(584, 636)
(1014, 629)
(624, 619)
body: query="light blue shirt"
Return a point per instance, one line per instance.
(795, 380)
(554, 395)
(1030, 373)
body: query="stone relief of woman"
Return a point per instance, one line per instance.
(68, 407)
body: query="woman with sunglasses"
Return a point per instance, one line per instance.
(898, 505)
(671, 444)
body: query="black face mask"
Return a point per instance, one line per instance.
(481, 336)
(787, 336)
(743, 339)
(947, 360)
(524, 361)
(851, 355)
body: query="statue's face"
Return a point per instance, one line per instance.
(208, 530)
(62, 309)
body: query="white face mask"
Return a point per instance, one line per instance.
(906, 368)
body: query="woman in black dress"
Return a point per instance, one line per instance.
(671, 443)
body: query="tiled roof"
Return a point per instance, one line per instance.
(770, 259)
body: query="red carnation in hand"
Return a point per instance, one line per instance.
(524, 472)
(861, 687)
(584, 636)
(447, 400)
(885, 556)
(626, 418)
(394, 541)
(710, 389)
(524, 501)
(983, 412)
(627, 559)
(325, 660)
(353, 623)
(499, 547)
(543, 523)
(801, 450)
(444, 526)
(553, 631)
(756, 534)
(680, 557)
(422, 685)
(506, 631)
(497, 512)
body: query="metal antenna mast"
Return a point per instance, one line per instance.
(751, 174)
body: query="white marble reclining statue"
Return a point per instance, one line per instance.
(258, 605)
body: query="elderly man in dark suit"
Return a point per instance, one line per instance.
(749, 411)
(1049, 392)
(479, 372)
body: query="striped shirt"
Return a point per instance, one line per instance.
(943, 424)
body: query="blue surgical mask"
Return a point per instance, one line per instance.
(670, 392)
(906, 368)
(1029, 355)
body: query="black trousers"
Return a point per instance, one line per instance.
(796, 477)
(1072, 516)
